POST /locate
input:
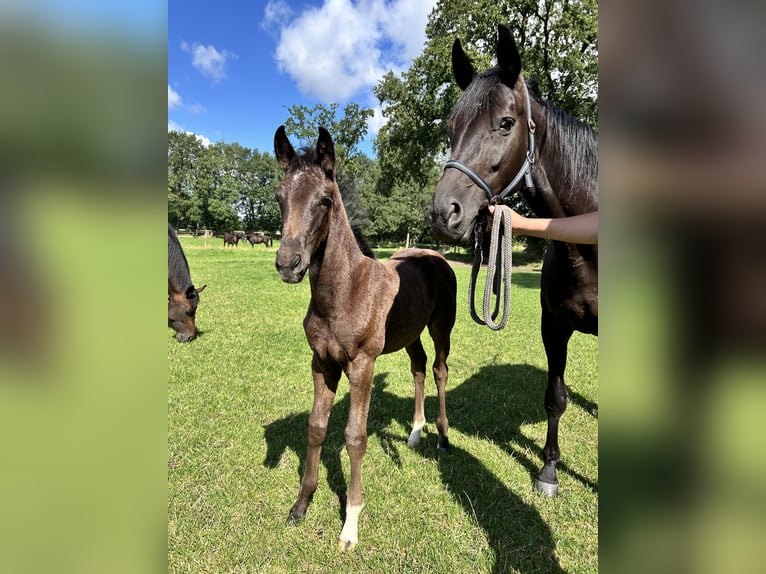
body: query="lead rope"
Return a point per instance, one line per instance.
(502, 258)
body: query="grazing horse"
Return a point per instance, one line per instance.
(254, 238)
(360, 308)
(231, 239)
(492, 129)
(183, 298)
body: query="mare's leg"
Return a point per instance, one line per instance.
(326, 377)
(360, 373)
(418, 369)
(555, 339)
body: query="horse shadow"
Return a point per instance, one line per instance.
(492, 404)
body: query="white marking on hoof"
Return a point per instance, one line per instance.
(547, 488)
(349, 536)
(414, 439)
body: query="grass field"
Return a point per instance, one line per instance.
(238, 402)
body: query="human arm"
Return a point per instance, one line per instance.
(581, 229)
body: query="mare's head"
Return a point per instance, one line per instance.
(488, 132)
(307, 196)
(182, 307)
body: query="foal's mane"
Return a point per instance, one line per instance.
(305, 158)
(576, 143)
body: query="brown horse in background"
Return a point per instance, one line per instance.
(493, 128)
(360, 308)
(254, 238)
(231, 239)
(183, 297)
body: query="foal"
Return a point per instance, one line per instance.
(360, 308)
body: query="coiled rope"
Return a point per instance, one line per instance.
(500, 258)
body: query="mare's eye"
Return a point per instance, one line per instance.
(326, 202)
(506, 124)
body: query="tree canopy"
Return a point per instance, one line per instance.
(222, 187)
(226, 186)
(557, 40)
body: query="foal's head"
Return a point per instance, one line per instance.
(307, 196)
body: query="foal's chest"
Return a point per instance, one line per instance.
(328, 341)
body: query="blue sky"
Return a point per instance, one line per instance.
(235, 67)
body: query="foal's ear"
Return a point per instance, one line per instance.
(326, 152)
(283, 149)
(508, 58)
(462, 68)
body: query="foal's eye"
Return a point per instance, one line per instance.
(326, 202)
(506, 124)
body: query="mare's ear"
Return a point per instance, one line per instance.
(508, 58)
(462, 68)
(326, 152)
(283, 149)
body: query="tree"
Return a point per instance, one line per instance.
(257, 205)
(346, 132)
(557, 40)
(216, 189)
(184, 151)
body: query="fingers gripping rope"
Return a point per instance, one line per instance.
(502, 259)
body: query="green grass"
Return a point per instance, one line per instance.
(238, 403)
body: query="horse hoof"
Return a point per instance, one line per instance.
(294, 518)
(443, 446)
(547, 488)
(346, 545)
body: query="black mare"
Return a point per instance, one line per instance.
(501, 131)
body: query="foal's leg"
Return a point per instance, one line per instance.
(326, 379)
(441, 337)
(418, 368)
(555, 339)
(360, 373)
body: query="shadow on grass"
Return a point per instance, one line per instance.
(493, 404)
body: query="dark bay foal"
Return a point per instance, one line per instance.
(360, 308)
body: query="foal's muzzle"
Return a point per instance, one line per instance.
(290, 262)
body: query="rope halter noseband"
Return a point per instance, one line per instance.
(502, 219)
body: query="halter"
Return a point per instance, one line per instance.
(526, 168)
(501, 257)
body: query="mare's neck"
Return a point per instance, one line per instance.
(561, 188)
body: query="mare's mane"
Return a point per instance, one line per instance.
(178, 267)
(576, 144)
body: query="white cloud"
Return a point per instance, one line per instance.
(203, 139)
(276, 11)
(344, 47)
(376, 122)
(196, 108)
(176, 127)
(209, 61)
(174, 100)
